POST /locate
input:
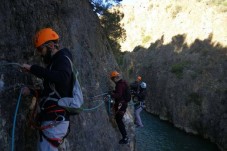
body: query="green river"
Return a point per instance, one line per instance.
(158, 135)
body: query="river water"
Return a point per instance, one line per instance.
(158, 135)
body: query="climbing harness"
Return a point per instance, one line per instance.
(52, 124)
(110, 102)
(59, 118)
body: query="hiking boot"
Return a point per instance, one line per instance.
(124, 141)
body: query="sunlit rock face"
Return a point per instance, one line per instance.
(80, 31)
(186, 84)
(179, 48)
(148, 20)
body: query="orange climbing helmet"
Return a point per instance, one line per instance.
(44, 35)
(114, 74)
(139, 78)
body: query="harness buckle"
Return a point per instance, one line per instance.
(60, 116)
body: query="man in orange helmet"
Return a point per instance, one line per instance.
(120, 104)
(135, 85)
(138, 91)
(57, 82)
(139, 104)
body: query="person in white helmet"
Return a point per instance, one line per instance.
(140, 104)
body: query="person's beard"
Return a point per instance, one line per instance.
(47, 57)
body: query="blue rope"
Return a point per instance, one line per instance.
(16, 111)
(15, 119)
(95, 101)
(98, 95)
(94, 107)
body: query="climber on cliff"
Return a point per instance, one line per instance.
(57, 82)
(135, 85)
(120, 104)
(139, 104)
(138, 91)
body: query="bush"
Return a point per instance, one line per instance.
(195, 98)
(146, 39)
(178, 69)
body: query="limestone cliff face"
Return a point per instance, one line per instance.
(80, 31)
(186, 84)
(147, 20)
(183, 61)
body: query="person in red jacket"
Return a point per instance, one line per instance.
(120, 104)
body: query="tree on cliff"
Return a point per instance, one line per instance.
(100, 5)
(110, 21)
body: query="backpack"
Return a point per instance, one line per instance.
(73, 104)
(127, 93)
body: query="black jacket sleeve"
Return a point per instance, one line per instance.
(59, 73)
(141, 95)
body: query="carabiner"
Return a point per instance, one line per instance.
(61, 116)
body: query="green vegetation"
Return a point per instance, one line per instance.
(221, 91)
(195, 98)
(131, 19)
(110, 21)
(219, 2)
(222, 4)
(176, 11)
(178, 69)
(215, 2)
(137, 48)
(146, 39)
(168, 7)
(99, 6)
(150, 7)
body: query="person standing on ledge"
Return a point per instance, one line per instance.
(139, 104)
(53, 119)
(120, 104)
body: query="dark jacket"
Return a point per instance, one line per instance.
(118, 93)
(141, 98)
(134, 87)
(142, 94)
(59, 73)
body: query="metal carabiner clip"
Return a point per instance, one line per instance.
(60, 116)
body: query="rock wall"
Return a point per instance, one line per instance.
(80, 31)
(146, 21)
(186, 84)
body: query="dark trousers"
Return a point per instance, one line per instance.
(120, 110)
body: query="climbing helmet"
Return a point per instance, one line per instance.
(44, 35)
